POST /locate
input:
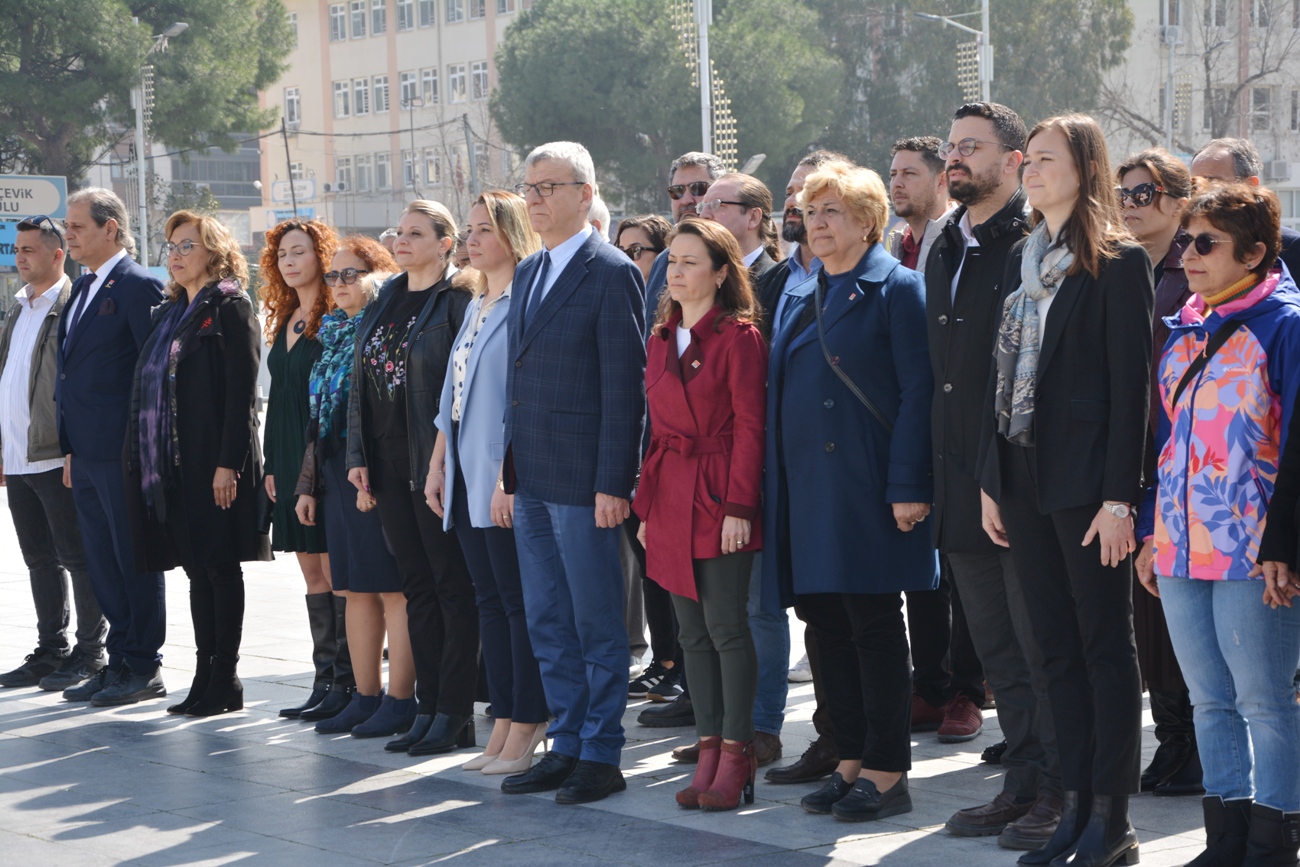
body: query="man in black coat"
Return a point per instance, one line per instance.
(963, 277)
(1235, 159)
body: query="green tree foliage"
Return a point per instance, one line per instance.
(67, 68)
(611, 74)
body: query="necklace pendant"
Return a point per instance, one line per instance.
(300, 326)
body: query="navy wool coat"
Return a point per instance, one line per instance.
(832, 469)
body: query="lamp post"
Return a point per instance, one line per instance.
(140, 96)
(703, 18)
(983, 43)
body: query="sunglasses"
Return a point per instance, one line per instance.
(1142, 195)
(45, 224)
(347, 275)
(697, 188)
(1204, 243)
(634, 252)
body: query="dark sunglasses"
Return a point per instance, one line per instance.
(1142, 195)
(347, 275)
(697, 188)
(1204, 243)
(45, 224)
(634, 252)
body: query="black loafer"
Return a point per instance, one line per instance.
(822, 800)
(591, 781)
(674, 714)
(547, 775)
(418, 730)
(865, 802)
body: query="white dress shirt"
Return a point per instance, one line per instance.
(968, 233)
(15, 381)
(752, 256)
(561, 255)
(88, 297)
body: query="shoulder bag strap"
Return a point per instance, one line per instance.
(1212, 346)
(834, 362)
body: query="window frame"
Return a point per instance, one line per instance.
(343, 174)
(360, 96)
(455, 11)
(338, 18)
(427, 13)
(405, 15)
(293, 105)
(478, 69)
(343, 108)
(379, 84)
(429, 86)
(378, 17)
(384, 159)
(455, 72)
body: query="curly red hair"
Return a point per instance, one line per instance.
(280, 300)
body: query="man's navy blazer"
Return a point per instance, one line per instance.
(575, 385)
(97, 365)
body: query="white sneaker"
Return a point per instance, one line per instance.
(801, 672)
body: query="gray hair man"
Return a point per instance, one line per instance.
(1236, 160)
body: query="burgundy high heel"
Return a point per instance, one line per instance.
(710, 752)
(734, 778)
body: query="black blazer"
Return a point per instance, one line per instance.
(1090, 414)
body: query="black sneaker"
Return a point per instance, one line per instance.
(78, 668)
(38, 664)
(669, 688)
(86, 690)
(648, 680)
(129, 687)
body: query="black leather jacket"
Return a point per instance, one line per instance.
(426, 366)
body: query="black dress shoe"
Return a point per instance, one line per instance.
(818, 761)
(822, 800)
(418, 730)
(674, 714)
(86, 690)
(591, 781)
(130, 687)
(338, 697)
(865, 802)
(78, 668)
(448, 732)
(317, 695)
(546, 776)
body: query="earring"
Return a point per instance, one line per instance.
(864, 239)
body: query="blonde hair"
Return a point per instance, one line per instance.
(508, 216)
(225, 260)
(861, 190)
(437, 213)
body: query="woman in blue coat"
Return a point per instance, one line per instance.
(848, 483)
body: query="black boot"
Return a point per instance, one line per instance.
(202, 670)
(1227, 823)
(1187, 780)
(1074, 818)
(320, 617)
(448, 732)
(1172, 711)
(1108, 838)
(342, 681)
(225, 691)
(1274, 839)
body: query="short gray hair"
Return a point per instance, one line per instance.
(711, 164)
(599, 212)
(571, 154)
(104, 206)
(1246, 162)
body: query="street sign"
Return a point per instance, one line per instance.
(23, 196)
(304, 189)
(8, 240)
(275, 216)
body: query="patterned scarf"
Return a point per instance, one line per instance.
(331, 375)
(1016, 353)
(159, 446)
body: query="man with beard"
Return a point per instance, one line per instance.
(963, 280)
(918, 192)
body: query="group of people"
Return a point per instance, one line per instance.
(1049, 416)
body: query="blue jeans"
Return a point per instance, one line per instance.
(1238, 656)
(772, 643)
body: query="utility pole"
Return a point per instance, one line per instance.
(142, 96)
(1171, 39)
(703, 18)
(473, 163)
(983, 43)
(288, 164)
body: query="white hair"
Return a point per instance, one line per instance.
(571, 154)
(598, 214)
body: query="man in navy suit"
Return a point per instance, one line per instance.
(573, 426)
(100, 335)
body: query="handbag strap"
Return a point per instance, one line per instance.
(834, 361)
(1212, 346)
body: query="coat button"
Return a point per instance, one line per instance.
(63, 376)
(943, 320)
(829, 403)
(514, 403)
(830, 447)
(947, 387)
(519, 364)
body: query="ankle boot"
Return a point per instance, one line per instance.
(202, 671)
(225, 691)
(1074, 818)
(1227, 824)
(1108, 837)
(448, 732)
(336, 698)
(737, 767)
(360, 708)
(1274, 839)
(320, 617)
(710, 754)
(393, 717)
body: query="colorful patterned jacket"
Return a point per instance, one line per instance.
(1219, 446)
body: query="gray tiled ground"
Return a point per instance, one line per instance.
(134, 786)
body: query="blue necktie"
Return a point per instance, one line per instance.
(535, 296)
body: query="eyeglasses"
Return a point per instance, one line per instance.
(1142, 195)
(545, 188)
(967, 146)
(697, 188)
(45, 224)
(347, 275)
(1204, 243)
(634, 252)
(715, 204)
(184, 247)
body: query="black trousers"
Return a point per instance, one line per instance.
(821, 718)
(1082, 616)
(440, 612)
(944, 661)
(659, 614)
(862, 644)
(217, 610)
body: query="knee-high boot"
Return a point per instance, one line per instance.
(320, 617)
(342, 681)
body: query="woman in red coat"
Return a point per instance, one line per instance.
(698, 499)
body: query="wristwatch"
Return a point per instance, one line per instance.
(1119, 510)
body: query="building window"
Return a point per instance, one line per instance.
(343, 174)
(293, 27)
(341, 102)
(429, 86)
(378, 16)
(505, 7)
(406, 89)
(456, 82)
(1261, 13)
(408, 169)
(381, 93)
(361, 96)
(365, 173)
(432, 168)
(477, 9)
(1216, 103)
(405, 14)
(296, 171)
(292, 105)
(478, 80)
(338, 23)
(358, 16)
(383, 171)
(1216, 13)
(428, 17)
(455, 11)
(1261, 108)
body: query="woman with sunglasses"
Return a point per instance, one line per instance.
(642, 238)
(1062, 471)
(1228, 382)
(361, 565)
(293, 263)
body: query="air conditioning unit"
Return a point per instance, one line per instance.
(334, 188)
(292, 125)
(1279, 170)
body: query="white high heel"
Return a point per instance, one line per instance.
(524, 762)
(479, 762)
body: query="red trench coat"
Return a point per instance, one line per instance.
(707, 412)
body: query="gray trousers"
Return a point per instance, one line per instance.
(719, 648)
(1000, 629)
